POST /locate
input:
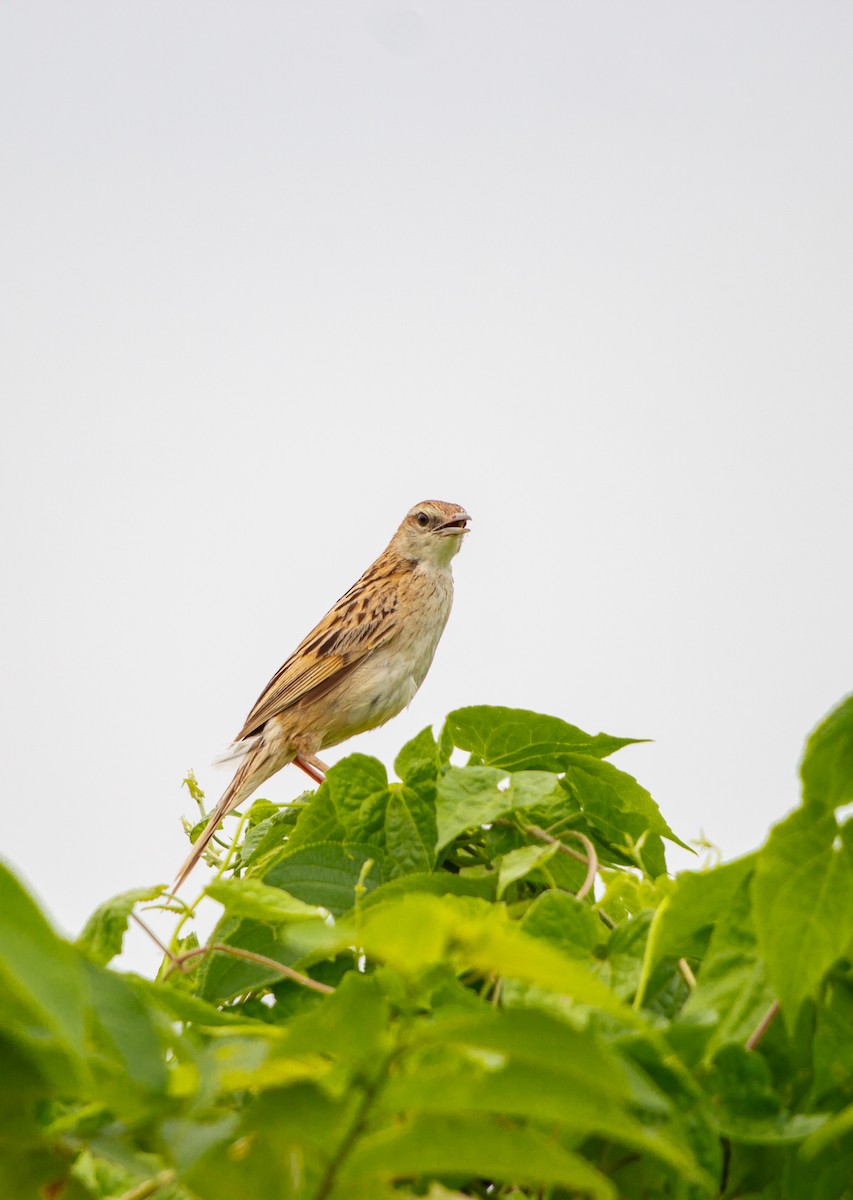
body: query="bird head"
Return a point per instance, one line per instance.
(432, 532)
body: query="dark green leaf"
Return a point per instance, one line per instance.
(326, 874)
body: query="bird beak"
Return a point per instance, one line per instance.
(456, 525)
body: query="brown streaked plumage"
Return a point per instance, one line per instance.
(359, 667)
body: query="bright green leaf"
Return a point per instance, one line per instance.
(827, 766)
(103, 934)
(42, 992)
(518, 863)
(515, 739)
(614, 801)
(431, 1144)
(419, 759)
(803, 897)
(252, 898)
(692, 906)
(732, 993)
(568, 923)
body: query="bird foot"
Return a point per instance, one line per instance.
(312, 766)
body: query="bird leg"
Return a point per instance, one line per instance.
(312, 766)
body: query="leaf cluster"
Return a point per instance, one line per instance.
(474, 980)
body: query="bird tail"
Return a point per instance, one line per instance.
(246, 779)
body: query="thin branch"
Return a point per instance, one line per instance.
(762, 1026)
(168, 953)
(685, 973)
(141, 1191)
(591, 858)
(260, 959)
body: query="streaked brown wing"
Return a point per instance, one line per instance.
(362, 621)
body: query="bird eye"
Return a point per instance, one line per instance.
(422, 519)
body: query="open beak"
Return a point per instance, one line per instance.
(456, 525)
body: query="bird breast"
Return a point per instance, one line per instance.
(388, 678)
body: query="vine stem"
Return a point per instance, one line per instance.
(141, 1191)
(189, 909)
(590, 858)
(261, 959)
(685, 973)
(160, 945)
(762, 1026)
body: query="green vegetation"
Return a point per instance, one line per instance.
(477, 981)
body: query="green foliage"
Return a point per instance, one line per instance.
(409, 993)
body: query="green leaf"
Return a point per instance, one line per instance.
(410, 833)
(252, 898)
(524, 1063)
(613, 800)
(566, 922)
(130, 1065)
(468, 797)
(357, 1006)
(42, 993)
(442, 883)
(518, 863)
(317, 822)
(692, 907)
(732, 993)
(833, 1047)
(178, 1005)
(103, 934)
(431, 1144)
(515, 739)
(420, 930)
(358, 787)
(841, 1125)
(827, 766)
(803, 898)
(418, 761)
(270, 834)
(741, 1086)
(326, 874)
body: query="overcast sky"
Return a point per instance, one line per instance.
(273, 272)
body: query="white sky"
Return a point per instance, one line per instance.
(273, 272)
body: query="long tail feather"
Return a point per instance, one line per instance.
(254, 769)
(200, 845)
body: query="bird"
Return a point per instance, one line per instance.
(359, 667)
